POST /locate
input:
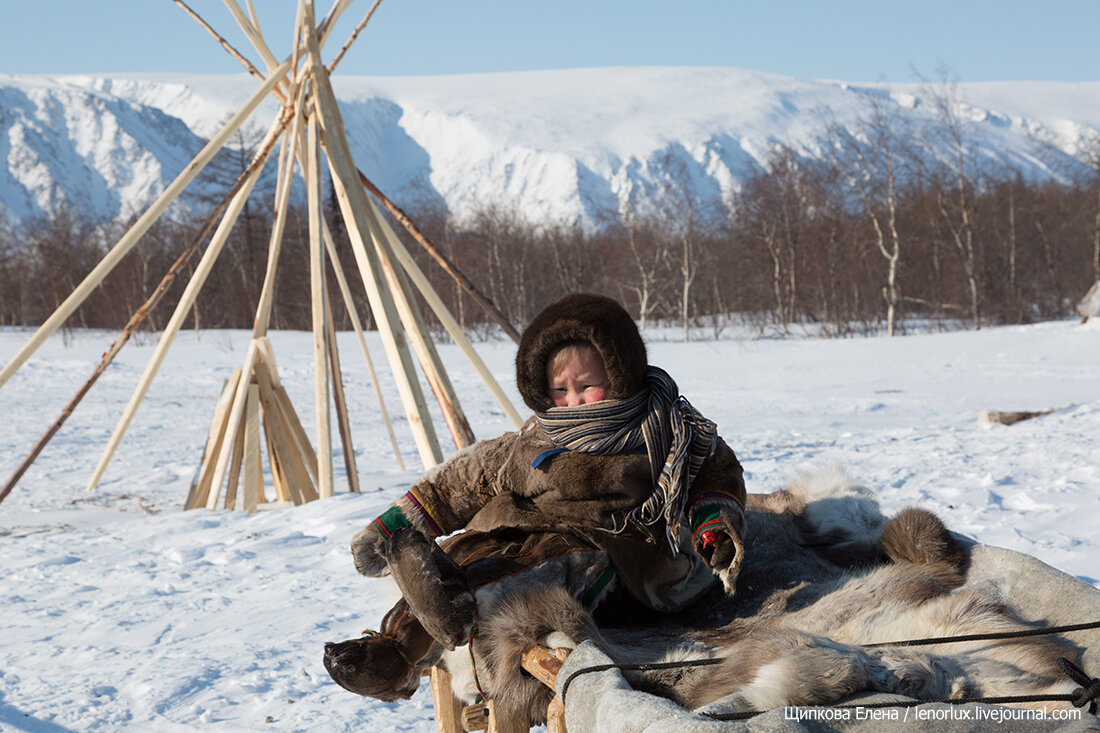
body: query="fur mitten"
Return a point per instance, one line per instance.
(433, 585)
(368, 551)
(717, 525)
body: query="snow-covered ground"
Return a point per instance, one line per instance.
(121, 612)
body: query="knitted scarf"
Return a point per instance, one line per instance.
(676, 436)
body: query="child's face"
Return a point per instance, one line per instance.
(578, 380)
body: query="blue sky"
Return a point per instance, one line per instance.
(853, 40)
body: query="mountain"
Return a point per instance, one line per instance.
(563, 146)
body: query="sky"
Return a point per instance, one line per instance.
(850, 40)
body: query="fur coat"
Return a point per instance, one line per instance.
(523, 480)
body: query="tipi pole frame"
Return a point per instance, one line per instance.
(143, 311)
(198, 279)
(131, 238)
(339, 398)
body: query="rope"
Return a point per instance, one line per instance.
(1087, 694)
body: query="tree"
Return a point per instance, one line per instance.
(952, 177)
(874, 159)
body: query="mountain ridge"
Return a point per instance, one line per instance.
(568, 146)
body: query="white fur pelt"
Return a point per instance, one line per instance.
(825, 577)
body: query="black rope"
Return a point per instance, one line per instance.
(1087, 694)
(989, 636)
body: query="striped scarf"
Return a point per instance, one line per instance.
(676, 436)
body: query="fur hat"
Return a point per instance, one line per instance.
(595, 319)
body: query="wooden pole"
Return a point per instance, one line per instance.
(449, 267)
(339, 400)
(349, 302)
(354, 204)
(282, 198)
(351, 39)
(445, 317)
(317, 299)
(198, 279)
(418, 336)
(128, 240)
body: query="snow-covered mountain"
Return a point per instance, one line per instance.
(562, 146)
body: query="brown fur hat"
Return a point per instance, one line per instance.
(594, 319)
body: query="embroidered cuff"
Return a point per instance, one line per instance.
(430, 524)
(390, 521)
(706, 513)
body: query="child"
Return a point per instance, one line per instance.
(616, 481)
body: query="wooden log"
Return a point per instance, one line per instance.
(134, 234)
(354, 204)
(322, 416)
(988, 417)
(349, 303)
(282, 197)
(253, 493)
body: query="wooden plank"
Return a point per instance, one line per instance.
(197, 495)
(543, 664)
(295, 431)
(448, 710)
(555, 716)
(235, 469)
(253, 468)
(233, 426)
(321, 412)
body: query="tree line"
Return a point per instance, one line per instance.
(891, 227)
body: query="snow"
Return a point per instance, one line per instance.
(122, 612)
(565, 146)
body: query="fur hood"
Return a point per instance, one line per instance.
(594, 319)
